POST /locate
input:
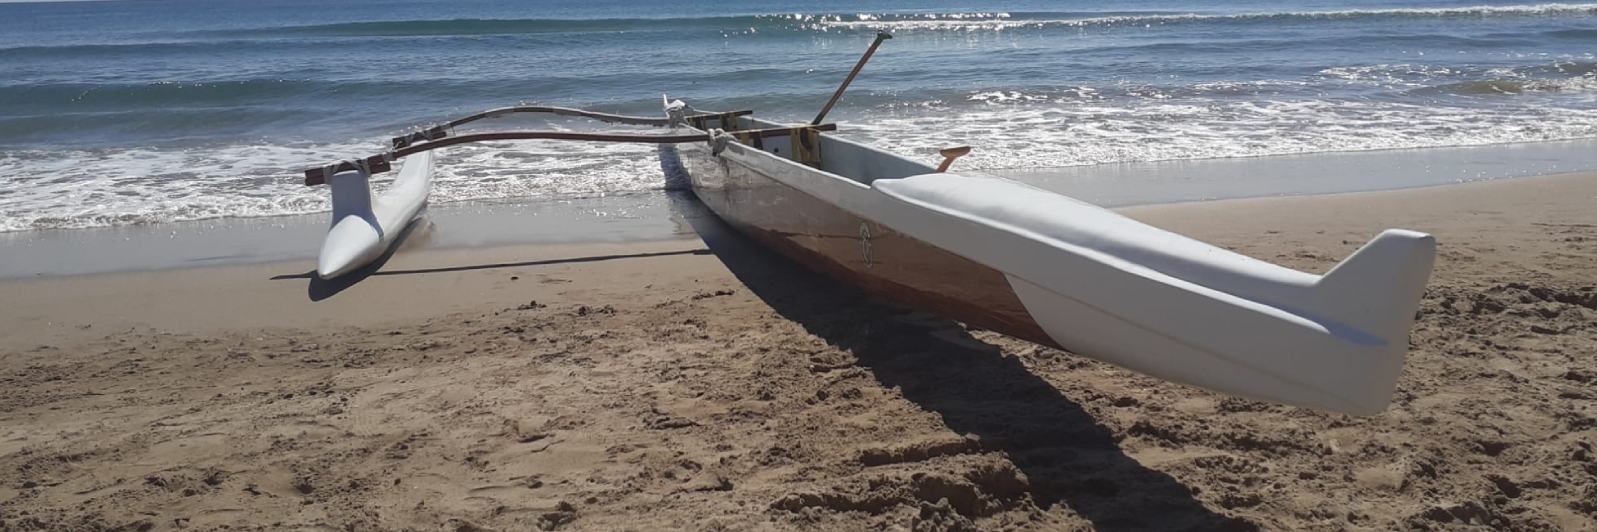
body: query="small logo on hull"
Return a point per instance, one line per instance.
(865, 242)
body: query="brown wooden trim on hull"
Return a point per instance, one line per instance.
(858, 251)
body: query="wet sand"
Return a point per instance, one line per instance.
(707, 385)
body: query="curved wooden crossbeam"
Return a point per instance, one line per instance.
(381, 162)
(440, 131)
(567, 111)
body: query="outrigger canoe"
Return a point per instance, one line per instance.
(1047, 268)
(1037, 265)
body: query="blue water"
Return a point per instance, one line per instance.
(155, 110)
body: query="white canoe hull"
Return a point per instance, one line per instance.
(1105, 286)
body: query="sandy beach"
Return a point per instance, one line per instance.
(704, 384)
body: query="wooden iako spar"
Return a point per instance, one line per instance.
(880, 36)
(442, 130)
(380, 163)
(602, 117)
(989, 252)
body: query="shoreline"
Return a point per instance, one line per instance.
(478, 225)
(285, 293)
(648, 216)
(237, 241)
(667, 386)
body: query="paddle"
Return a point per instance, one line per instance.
(949, 154)
(880, 36)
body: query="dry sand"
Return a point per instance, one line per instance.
(661, 387)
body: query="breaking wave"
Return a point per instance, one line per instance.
(1506, 87)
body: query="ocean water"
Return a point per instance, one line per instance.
(147, 111)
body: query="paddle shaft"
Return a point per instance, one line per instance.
(880, 36)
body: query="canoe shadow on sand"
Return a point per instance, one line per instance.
(1067, 456)
(320, 289)
(417, 235)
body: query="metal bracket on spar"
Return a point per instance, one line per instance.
(424, 135)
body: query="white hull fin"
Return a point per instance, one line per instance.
(1377, 289)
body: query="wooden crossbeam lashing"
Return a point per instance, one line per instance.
(728, 120)
(428, 134)
(380, 163)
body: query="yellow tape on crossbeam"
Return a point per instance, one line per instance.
(805, 145)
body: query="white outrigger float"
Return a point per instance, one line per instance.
(1027, 262)
(365, 225)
